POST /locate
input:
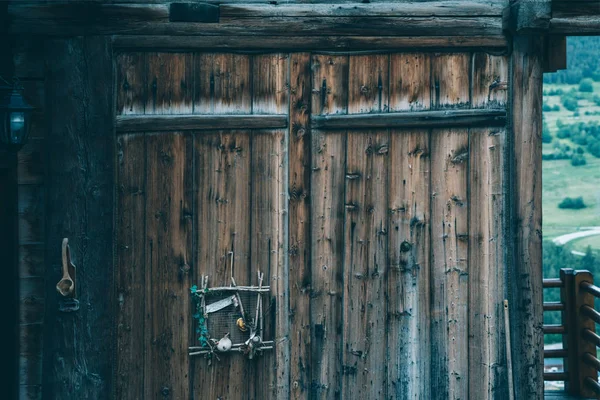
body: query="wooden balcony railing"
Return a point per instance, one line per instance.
(577, 327)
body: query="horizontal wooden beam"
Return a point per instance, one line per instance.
(576, 26)
(409, 9)
(71, 19)
(244, 43)
(575, 8)
(424, 119)
(159, 123)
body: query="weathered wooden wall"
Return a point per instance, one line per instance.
(383, 247)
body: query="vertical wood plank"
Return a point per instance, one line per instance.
(269, 207)
(410, 82)
(450, 82)
(449, 235)
(270, 84)
(169, 83)
(327, 246)
(368, 80)
(487, 276)
(222, 167)
(365, 261)
(408, 276)
(524, 235)
(300, 225)
(130, 275)
(131, 83)
(489, 81)
(330, 84)
(80, 205)
(222, 84)
(168, 258)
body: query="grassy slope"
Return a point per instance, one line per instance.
(561, 179)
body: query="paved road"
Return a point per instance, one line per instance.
(564, 239)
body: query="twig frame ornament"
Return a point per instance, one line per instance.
(229, 319)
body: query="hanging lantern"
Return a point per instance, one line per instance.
(15, 116)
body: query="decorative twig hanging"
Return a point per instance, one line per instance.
(223, 324)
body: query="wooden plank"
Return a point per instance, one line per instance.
(497, 43)
(576, 26)
(408, 282)
(31, 300)
(131, 262)
(97, 19)
(79, 206)
(31, 162)
(421, 119)
(222, 84)
(327, 245)
(300, 224)
(26, 52)
(410, 85)
(269, 207)
(450, 81)
(31, 214)
(487, 274)
(368, 80)
(489, 82)
(132, 74)
(428, 9)
(31, 260)
(169, 83)
(270, 84)
(556, 53)
(450, 268)
(574, 8)
(222, 165)
(169, 216)
(330, 84)
(365, 261)
(166, 123)
(524, 239)
(30, 370)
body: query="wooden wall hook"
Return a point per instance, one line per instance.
(66, 286)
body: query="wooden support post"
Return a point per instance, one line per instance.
(568, 294)
(556, 53)
(78, 346)
(524, 210)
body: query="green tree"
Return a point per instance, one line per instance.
(586, 85)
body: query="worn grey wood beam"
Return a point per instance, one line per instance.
(528, 16)
(424, 119)
(493, 43)
(409, 9)
(576, 26)
(575, 8)
(71, 19)
(166, 123)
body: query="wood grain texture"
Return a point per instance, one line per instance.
(222, 84)
(330, 84)
(169, 83)
(450, 81)
(487, 273)
(169, 217)
(270, 87)
(524, 236)
(130, 268)
(132, 91)
(368, 79)
(408, 284)
(327, 245)
(197, 123)
(269, 206)
(410, 82)
(80, 193)
(365, 259)
(489, 83)
(300, 223)
(496, 43)
(449, 263)
(222, 206)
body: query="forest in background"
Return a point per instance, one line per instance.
(571, 164)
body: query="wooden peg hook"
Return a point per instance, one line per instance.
(66, 286)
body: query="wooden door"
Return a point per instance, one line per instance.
(376, 215)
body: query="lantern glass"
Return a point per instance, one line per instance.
(15, 117)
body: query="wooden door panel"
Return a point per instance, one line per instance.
(381, 246)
